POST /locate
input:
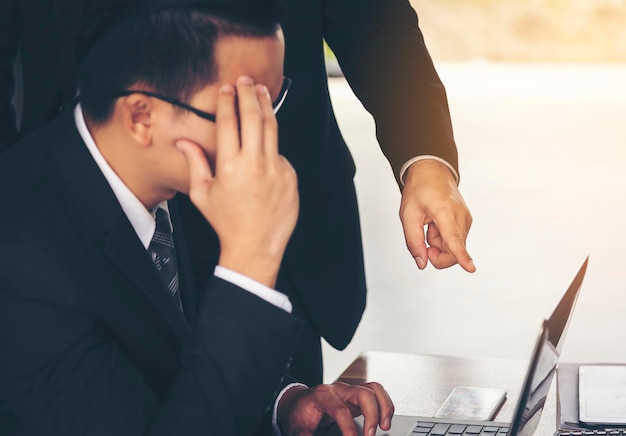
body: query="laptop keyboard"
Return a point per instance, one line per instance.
(603, 432)
(425, 428)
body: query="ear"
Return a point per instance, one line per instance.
(138, 116)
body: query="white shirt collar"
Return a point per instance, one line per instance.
(142, 220)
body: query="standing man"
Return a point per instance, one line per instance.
(43, 33)
(383, 56)
(102, 331)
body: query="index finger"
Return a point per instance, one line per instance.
(341, 414)
(367, 402)
(227, 136)
(454, 240)
(386, 408)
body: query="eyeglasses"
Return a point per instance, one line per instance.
(202, 114)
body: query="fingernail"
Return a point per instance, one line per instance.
(387, 423)
(227, 89)
(420, 262)
(371, 432)
(244, 80)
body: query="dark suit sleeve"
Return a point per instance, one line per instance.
(63, 373)
(382, 53)
(8, 50)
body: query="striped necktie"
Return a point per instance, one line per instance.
(163, 254)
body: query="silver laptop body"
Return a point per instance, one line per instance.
(541, 370)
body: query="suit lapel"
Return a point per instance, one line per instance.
(123, 248)
(108, 227)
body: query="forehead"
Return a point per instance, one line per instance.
(258, 57)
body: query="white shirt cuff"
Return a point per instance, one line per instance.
(409, 162)
(275, 411)
(260, 290)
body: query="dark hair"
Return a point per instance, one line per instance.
(170, 50)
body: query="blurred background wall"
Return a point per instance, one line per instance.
(537, 93)
(524, 30)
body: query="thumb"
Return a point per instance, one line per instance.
(200, 173)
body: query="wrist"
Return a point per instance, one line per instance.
(262, 268)
(286, 405)
(429, 169)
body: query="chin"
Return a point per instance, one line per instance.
(169, 195)
(183, 188)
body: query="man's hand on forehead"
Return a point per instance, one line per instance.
(251, 199)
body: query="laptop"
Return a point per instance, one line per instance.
(541, 370)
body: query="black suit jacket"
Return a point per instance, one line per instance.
(383, 56)
(382, 53)
(92, 342)
(44, 32)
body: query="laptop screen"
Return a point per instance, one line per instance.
(535, 392)
(562, 314)
(545, 359)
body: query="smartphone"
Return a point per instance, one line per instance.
(472, 403)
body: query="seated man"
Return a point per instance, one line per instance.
(101, 329)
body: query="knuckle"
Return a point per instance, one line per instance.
(286, 169)
(227, 169)
(255, 168)
(405, 211)
(443, 209)
(411, 217)
(323, 389)
(366, 391)
(373, 385)
(342, 388)
(270, 122)
(413, 246)
(250, 114)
